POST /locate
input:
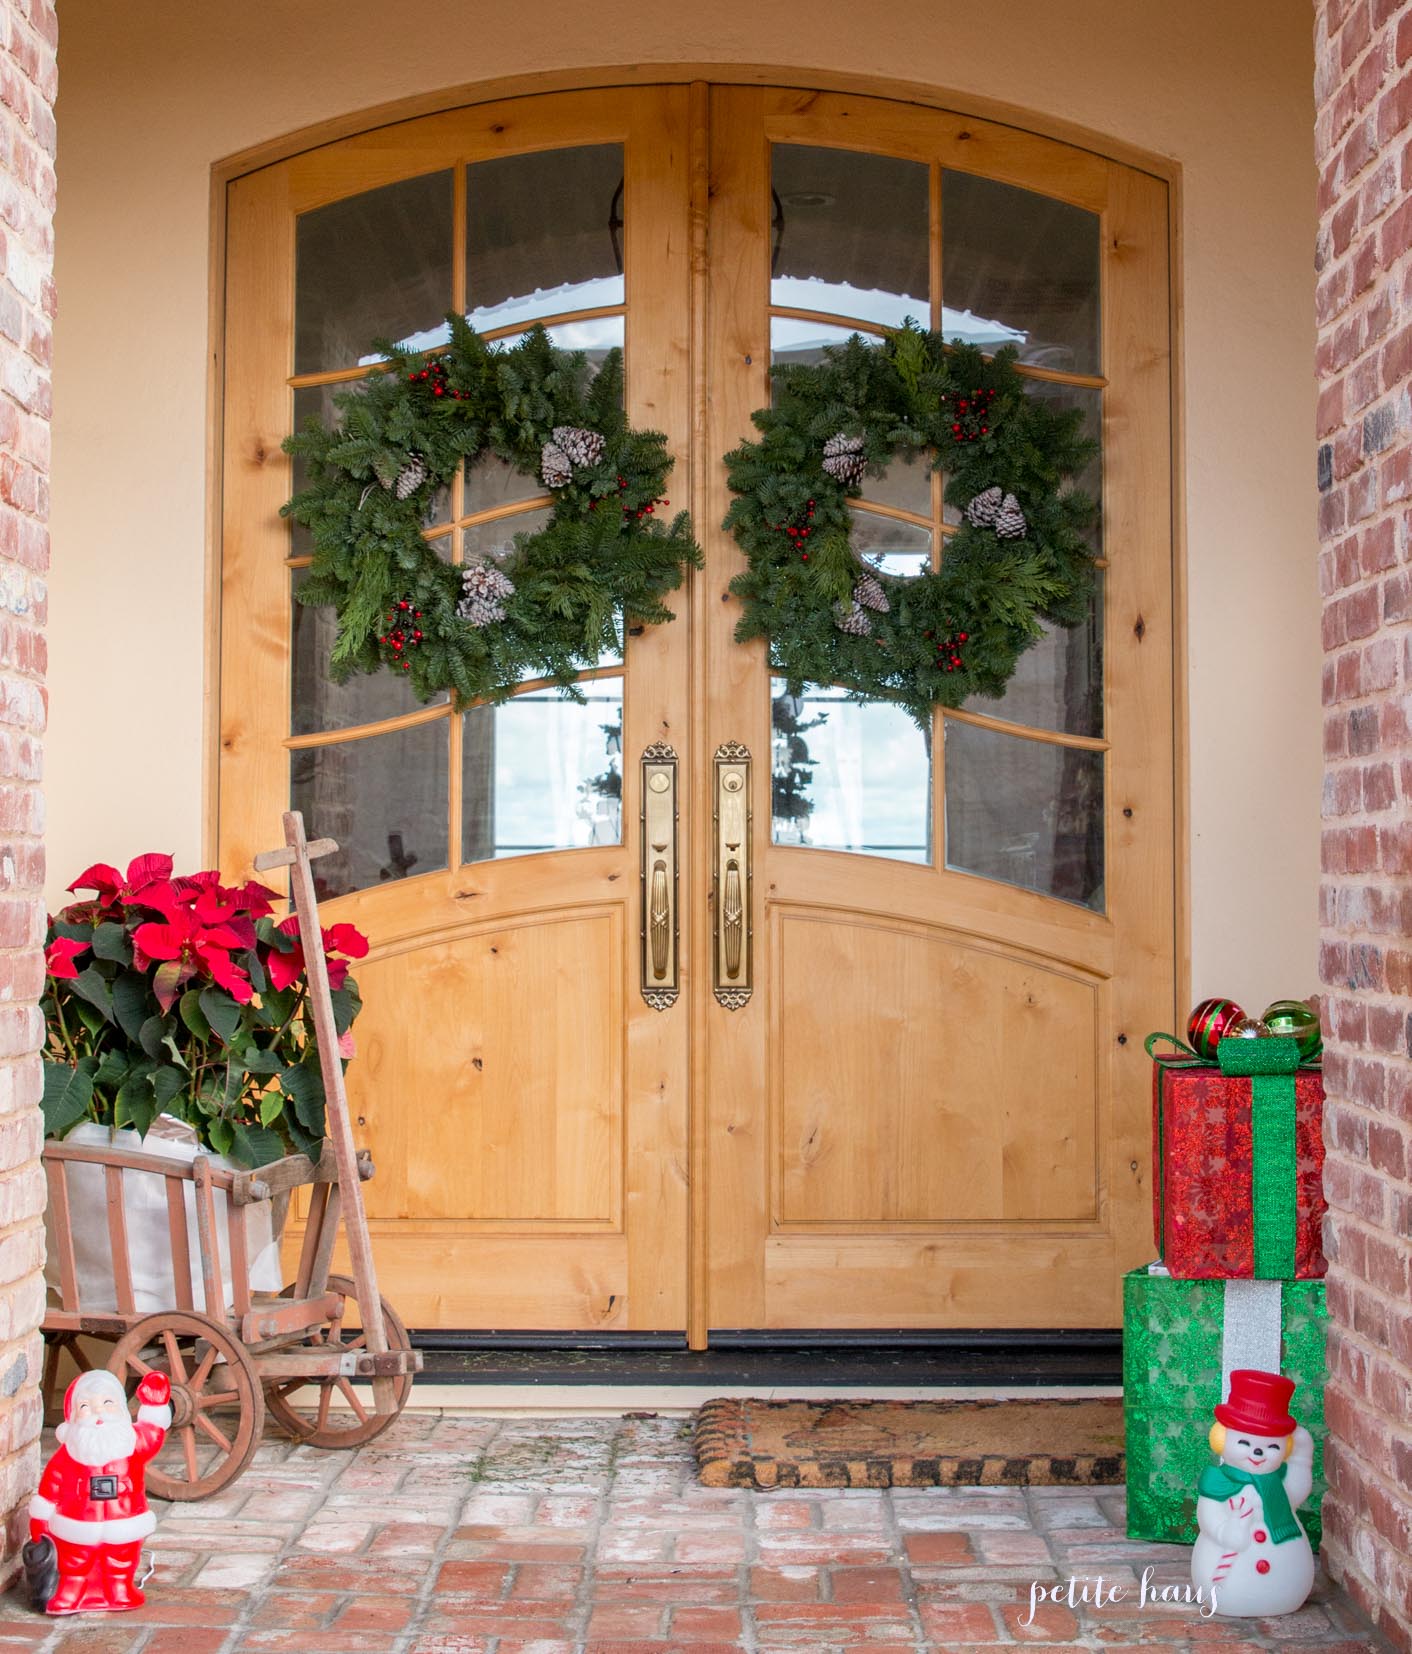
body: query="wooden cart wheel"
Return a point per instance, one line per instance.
(330, 1412)
(218, 1404)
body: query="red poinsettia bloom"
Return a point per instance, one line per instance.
(286, 968)
(59, 956)
(186, 943)
(114, 887)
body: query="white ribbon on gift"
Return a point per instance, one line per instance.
(1250, 1326)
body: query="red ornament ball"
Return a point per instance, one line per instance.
(1210, 1022)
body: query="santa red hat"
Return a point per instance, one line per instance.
(1258, 1403)
(90, 1386)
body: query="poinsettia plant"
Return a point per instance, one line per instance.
(184, 996)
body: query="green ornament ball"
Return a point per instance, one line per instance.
(1296, 1020)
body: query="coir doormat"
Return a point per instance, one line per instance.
(1024, 1443)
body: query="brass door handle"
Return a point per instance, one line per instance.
(659, 876)
(731, 884)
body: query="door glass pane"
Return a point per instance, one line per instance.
(1058, 684)
(1020, 267)
(595, 336)
(1025, 812)
(889, 545)
(850, 234)
(544, 234)
(792, 340)
(496, 538)
(543, 772)
(906, 483)
(492, 481)
(374, 266)
(384, 801)
(1089, 400)
(849, 775)
(317, 703)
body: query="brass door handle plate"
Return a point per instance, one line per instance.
(732, 950)
(660, 983)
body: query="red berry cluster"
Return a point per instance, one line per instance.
(948, 649)
(631, 513)
(435, 375)
(971, 414)
(402, 633)
(797, 535)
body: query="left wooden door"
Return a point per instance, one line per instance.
(526, 1109)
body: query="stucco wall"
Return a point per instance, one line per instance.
(153, 94)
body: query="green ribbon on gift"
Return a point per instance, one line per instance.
(1271, 1065)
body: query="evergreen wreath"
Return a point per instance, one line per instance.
(1017, 558)
(555, 603)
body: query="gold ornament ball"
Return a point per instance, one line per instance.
(1247, 1028)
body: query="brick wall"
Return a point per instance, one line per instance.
(1363, 90)
(28, 34)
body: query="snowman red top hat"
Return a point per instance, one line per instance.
(1258, 1402)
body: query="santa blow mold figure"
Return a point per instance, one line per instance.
(92, 1502)
(1252, 1554)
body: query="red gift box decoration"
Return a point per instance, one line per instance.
(1203, 1183)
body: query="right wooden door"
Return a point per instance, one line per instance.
(931, 1110)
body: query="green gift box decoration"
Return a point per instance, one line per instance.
(1181, 1340)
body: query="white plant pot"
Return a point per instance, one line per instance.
(148, 1235)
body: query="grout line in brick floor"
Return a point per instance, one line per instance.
(898, 1546)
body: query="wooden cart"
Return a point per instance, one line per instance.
(328, 1358)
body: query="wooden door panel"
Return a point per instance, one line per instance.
(469, 1117)
(923, 1079)
(921, 1281)
(525, 1108)
(933, 1113)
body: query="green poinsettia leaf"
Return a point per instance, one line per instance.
(131, 1003)
(168, 1083)
(221, 1135)
(255, 1145)
(93, 987)
(110, 941)
(221, 1011)
(68, 1091)
(151, 1035)
(192, 1014)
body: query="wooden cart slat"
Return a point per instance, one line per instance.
(117, 1239)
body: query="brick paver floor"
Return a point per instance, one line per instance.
(463, 1535)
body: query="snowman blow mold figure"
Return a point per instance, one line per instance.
(1253, 1555)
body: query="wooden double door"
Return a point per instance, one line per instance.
(915, 1095)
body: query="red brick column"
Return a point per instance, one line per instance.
(1363, 88)
(27, 83)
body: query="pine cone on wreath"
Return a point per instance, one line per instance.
(1010, 521)
(843, 458)
(411, 477)
(578, 446)
(484, 589)
(869, 594)
(554, 466)
(848, 617)
(985, 508)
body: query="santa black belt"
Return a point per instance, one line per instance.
(102, 1487)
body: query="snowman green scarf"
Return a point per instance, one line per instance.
(1223, 1481)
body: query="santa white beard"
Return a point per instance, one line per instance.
(99, 1441)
